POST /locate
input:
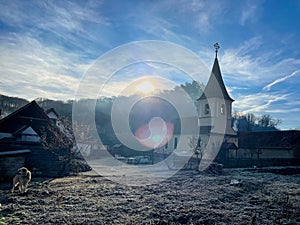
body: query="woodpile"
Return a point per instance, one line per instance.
(215, 168)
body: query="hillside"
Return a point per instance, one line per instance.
(10, 104)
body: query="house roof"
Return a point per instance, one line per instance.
(31, 115)
(52, 110)
(271, 139)
(15, 152)
(215, 86)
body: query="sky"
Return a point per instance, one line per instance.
(46, 47)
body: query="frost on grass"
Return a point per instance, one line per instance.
(188, 197)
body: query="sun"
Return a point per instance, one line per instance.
(145, 87)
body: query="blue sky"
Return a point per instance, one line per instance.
(47, 46)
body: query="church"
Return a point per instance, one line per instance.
(219, 142)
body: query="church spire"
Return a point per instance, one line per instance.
(215, 86)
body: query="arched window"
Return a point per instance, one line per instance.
(222, 109)
(206, 109)
(175, 142)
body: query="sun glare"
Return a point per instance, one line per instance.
(145, 87)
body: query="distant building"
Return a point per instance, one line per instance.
(243, 149)
(33, 138)
(272, 148)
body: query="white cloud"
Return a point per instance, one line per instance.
(123, 65)
(62, 21)
(156, 26)
(279, 80)
(30, 69)
(253, 68)
(51, 15)
(287, 111)
(203, 15)
(250, 11)
(258, 102)
(239, 61)
(165, 19)
(247, 70)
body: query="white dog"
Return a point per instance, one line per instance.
(22, 178)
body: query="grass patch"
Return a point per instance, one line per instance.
(2, 220)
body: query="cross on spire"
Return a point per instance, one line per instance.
(217, 46)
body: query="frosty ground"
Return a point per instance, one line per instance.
(189, 197)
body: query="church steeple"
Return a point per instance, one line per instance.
(215, 119)
(215, 86)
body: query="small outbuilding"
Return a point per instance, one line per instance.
(32, 138)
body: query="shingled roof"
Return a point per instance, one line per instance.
(215, 86)
(30, 115)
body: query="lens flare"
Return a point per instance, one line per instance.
(155, 134)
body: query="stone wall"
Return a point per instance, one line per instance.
(45, 163)
(9, 165)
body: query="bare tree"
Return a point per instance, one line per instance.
(195, 146)
(250, 122)
(267, 121)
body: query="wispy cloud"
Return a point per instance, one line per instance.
(268, 87)
(249, 12)
(247, 64)
(165, 19)
(156, 27)
(69, 15)
(258, 102)
(38, 70)
(239, 62)
(203, 14)
(64, 22)
(46, 46)
(255, 73)
(125, 64)
(284, 111)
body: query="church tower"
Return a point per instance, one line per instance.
(215, 108)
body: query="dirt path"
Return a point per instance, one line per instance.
(187, 198)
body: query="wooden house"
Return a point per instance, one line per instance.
(31, 137)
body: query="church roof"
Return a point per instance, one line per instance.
(215, 86)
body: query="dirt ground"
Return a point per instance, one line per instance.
(189, 197)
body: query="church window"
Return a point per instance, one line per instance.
(222, 110)
(206, 109)
(175, 142)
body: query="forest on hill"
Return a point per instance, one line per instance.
(140, 113)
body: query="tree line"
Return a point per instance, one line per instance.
(250, 122)
(240, 122)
